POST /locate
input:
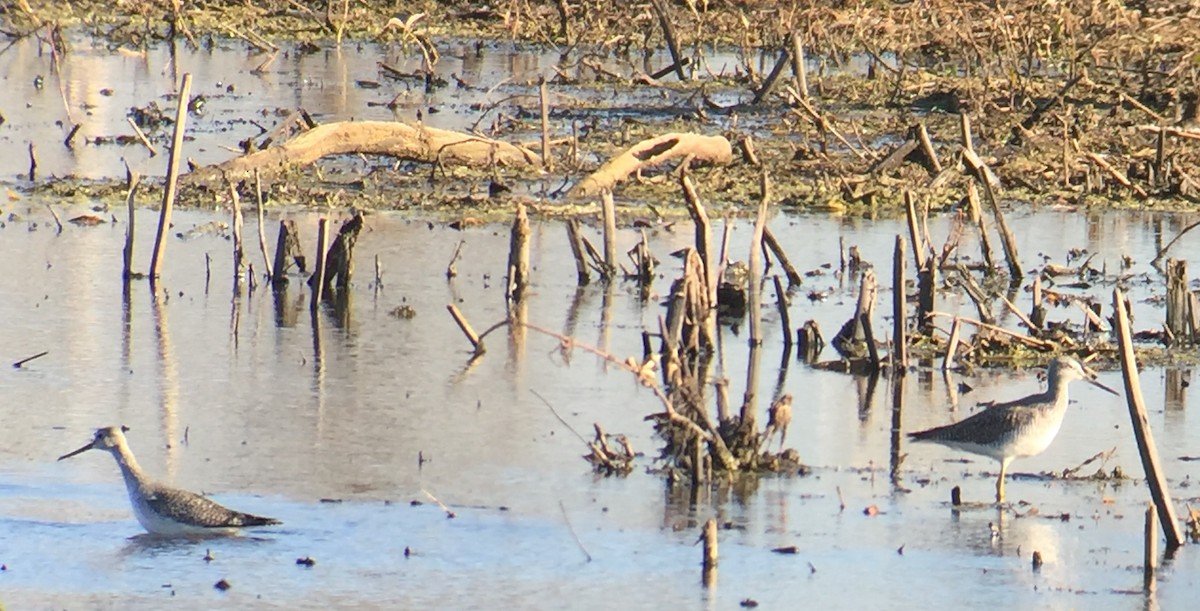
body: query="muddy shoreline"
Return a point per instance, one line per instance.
(1073, 105)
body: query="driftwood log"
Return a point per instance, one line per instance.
(400, 140)
(652, 152)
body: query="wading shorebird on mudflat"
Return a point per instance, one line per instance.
(1016, 429)
(163, 510)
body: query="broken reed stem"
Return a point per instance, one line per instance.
(1007, 240)
(927, 148)
(899, 309)
(668, 29)
(544, 97)
(468, 331)
(776, 71)
(378, 273)
(920, 251)
(794, 277)
(127, 255)
(137, 131)
(867, 294)
(1178, 298)
(452, 266)
(518, 256)
(21, 363)
(236, 204)
(1159, 492)
(610, 234)
(582, 275)
(799, 70)
(964, 123)
(172, 181)
(57, 221)
(262, 231)
(784, 319)
(985, 243)
(709, 572)
(32, 162)
(951, 346)
(287, 233)
(752, 286)
(322, 240)
(703, 232)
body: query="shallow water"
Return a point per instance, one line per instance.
(276, 412)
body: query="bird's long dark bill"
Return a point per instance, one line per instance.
(1092, 382)
(79, 451)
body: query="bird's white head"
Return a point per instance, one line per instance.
(107, 439)
(1064, 369)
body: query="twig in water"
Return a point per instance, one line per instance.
(18, 364)
(57, 221)
(1162, 253)
(560, 419)
(449, 514)
(568, 519)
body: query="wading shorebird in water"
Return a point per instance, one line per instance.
(163, 510)
(1016, 429)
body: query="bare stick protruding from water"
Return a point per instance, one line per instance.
(238, 252)
(753, 290)
(449, 514)
(668, 29)
(133, 180)
(262, 231)
(137, 131)
(1179, 302)
(318, 287)
(32, 162)
(468, 331)
(172, 183)
(582, 275)
(518, 256)
(772, 244)
(452, 266)
(1157, 481)
(20, 363)
(284, 244)
(610, 234)
(544, 97)
(57, 220)
(951, 346)
(799, 70)
(709, 575)
(899, 309)
(981, 171)
(703, 232)
(784, 319)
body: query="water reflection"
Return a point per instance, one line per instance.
(283, 412)
(168, 378)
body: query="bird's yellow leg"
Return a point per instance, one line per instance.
(1000, 482)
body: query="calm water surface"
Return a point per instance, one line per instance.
(321, 421)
